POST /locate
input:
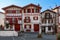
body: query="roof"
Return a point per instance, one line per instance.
(1, 13)
(56, 7)
(32, 5)
(48, 10)
(11, 6)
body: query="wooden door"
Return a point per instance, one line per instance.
(36, 27)
(17, 27)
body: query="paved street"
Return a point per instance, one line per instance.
(30, 36)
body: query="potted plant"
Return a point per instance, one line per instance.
(39, 35)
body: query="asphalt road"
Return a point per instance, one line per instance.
(30, 36)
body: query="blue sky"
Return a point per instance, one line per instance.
(45, 4)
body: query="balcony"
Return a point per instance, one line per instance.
(13, 14)
(47, 24)
(31, 13)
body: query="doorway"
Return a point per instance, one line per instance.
(43, 29)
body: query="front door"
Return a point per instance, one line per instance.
(17, 27)
(36, 27)
(43, 29)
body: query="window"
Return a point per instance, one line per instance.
(59, 19)
(19, 18)
(8, 11)
(45, 21)
(27, 17)
(49, 21)
(17, 11)
(27, 26)
(35, 18)
(13, 11)
(27, 20)
(13, 20)
(48, 16)
(49, 28)
(28, 10)
(37, 10)
(20, 11)
(24, 10)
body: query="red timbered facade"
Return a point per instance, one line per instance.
(26, 18)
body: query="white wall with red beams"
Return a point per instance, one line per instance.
(20, 25)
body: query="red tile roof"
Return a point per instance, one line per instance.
(31, 5)
(48, 10)
(11, 6)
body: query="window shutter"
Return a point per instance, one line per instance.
(24, 10)
(32, 10)
(13, 11)
(20, 11)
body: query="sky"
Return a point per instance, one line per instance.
(45, 4)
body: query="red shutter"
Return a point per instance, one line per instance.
(16, 20)
(13, 11)
(24, 10)
(10, 20)
(29, 26)
(20, 18)
(24, 26)
(28, 10)
(20, 11)
(32, 10)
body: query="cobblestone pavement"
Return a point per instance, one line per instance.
(30, 36)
